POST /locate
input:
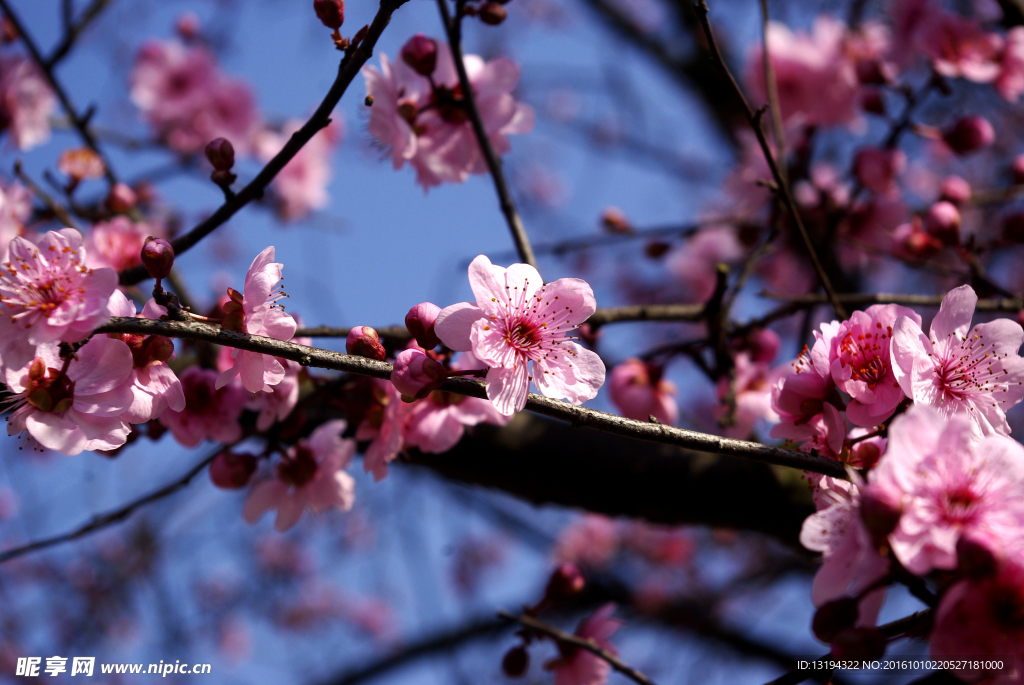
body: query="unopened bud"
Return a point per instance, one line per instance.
(232, 471)
(158, 257)
(861, 644)
(363, 341)
(911, 242)
(833, 617)
(955, 190)
(187, 26)
(969, 134)
(942, 220)
(515, 662)
(420, 322)
(330, 12)
(974, 558)
(880, 511)
(416, 374)
(121, 199)
(420, 53)
(566, 581)
(221, 154)
(492, 13)
(614, 220)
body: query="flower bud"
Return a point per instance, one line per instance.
(969, 134)
(492, 13)
(121, 199)
(420, 53)
(515, 662)
(911, 242)
(330, 12)
(614, 220)
(221, 154)
(363, 341)
(833, 617)
(1018, 169)
(880, 511)
(955, 190)
(420, 322)
(232, 471)
(861, 644)
(975, 558)
(158, 257)
(566, 581)
(942, 220)
(187, 26)
(416, 375)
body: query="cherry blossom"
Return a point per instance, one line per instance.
(427, 126)
(255, 312)
(593, 541)
(74, 406)
(576, 666)
(960, 370)
(519, 319)
(210, 412)
(301, 186)
(952, 484)
(117, 243)
(800, 399)
(752, 392)
(50, 295)
(639, 391)
(26, 102)
(1010, 83)
(384, 425)
(311, 476)
(695, 262)
(958, 47)
(15, 209)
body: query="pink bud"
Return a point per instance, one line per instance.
(834, 616)
(420, 53)
(877, 168)
(880, 510)
(158, 257)
(364, 342)
(232, 471)
(187, 25)
(515, 662)
(942, 220)
(969, 134)
(416, 375)
(420, 322)
(911, 242)
(221, 154)
(566, 581)
(763, 344)
(956, 190)
(330, 12)
(976, 557)
(121, 199)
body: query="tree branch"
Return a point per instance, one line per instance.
(354, 59)
(1003, 304)
(72, 32)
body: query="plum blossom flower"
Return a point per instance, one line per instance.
(26, 102)
(384, 425)
(752, 389)
(593, 541)
(518, 319)
(801, 399)
(187, 99)
(951, 484)
(960, 370)
(639, 391)
(255, 312)
(75, 406)
(210, 412)
(312, 476)
(861, 364)
(851, 562)
(695, 262)
(154, 385)
(50, 295)
(576, 666)
(428, 127)
(1010, 83)
(959, 47)
(117, 243)
(301, 186)
(15, 209)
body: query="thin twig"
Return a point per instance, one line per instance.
(354, 59)
(771, 86)
(453, 27)
(1001, 304)
(588, 644)
(562, 411)
(111, 517)
(74, 30)
(780, 180)
(399, 334)
(58, 209)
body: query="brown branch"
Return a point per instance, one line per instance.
(74, 30)
(780, 179)
(771, 86)
(354, 59)
(588, 644)
(1002, 304)
(453, 27)
(111, 517)
(398, 334)
(58, 209)
(649, 312)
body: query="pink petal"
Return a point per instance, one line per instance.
(507, 389)
(263, 497)
(454, 323)
(955, 313)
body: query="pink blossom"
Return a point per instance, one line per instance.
(851, 563)
(416, 374)
(210, 413)
(384, 425)
(593, 541)
(1010, 83)
(50, 295)
(695, 263)
(15, 209)
(26, 101)
(861, 365)
(277, 404)
(436, 423)
(958, 370)
(117, 243)
(429, 129)
(312, 476)
(259, 315)
(639, 391)
(951, 484)
(752, 390)
(800, 396)
(153, 383)
(301, 186)
(77, 409)
(576, 666)
(959, 47)
(519, 319)
(188, 100)
(877, 169)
